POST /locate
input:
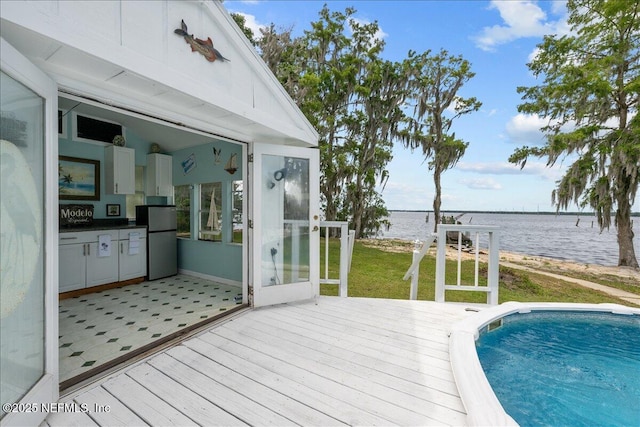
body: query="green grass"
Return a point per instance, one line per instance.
(378, 274)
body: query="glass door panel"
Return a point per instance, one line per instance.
(285, 221)
(28, 333)
(286, 224)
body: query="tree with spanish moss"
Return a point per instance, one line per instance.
(435, 83)
(336, 76)
(589, 94)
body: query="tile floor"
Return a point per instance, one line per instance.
(99, 327)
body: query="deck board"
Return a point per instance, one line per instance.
(252, 387)
(356, 360)
(352, 361)
(343, 412)
(374, 383)
(154, 410)
(119, 413)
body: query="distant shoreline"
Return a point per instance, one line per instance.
(633, 214)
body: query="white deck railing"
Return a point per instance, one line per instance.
(476, 233)
(346, 252)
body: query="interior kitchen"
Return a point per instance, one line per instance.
(150, 235)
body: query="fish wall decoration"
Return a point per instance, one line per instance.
(204, 47)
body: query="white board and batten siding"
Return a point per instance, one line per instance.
(127, 52)
(339, 362)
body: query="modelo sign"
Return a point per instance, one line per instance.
(76, 215)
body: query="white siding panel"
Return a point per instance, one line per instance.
(101, 18)
(144, 28)
(265, 101)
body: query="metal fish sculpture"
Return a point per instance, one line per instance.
(204, 47)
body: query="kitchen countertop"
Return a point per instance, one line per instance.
(96, 227)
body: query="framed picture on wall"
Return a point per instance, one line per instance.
(113, 210)
(78, 179)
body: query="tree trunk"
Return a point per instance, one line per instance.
(437, 201)
(626, 252)
(358, 207)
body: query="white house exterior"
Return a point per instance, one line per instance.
(123, 62)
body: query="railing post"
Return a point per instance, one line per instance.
(413, 293)
(440, 264)
(493, 273)
(346, 250)
(344, 260)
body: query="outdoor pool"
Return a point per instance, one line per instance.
(550, 364)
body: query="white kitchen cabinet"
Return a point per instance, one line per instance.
(132, 253)
(101, 269)
(82, 264)
(119, 174)
(159, 175)
(73, 265)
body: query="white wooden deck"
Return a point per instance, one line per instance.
(348, 361)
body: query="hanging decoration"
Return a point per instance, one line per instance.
(203, 47)
(217, 153)
(232, 164)
(212, 221)
(189, 164)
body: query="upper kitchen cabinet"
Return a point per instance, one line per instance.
(120, 170)
(159, 180)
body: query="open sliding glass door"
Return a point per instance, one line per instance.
(286, 223)
(28, 252)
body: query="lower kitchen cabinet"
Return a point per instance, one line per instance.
(132, 254)
(73, 266)
(92, 258)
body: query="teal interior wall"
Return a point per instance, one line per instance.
(85, 150)
(217, 259)
(220, 259)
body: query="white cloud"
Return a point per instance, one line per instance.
(379, 35)
(481, 183)
(494, 168)
(525, 129)
(520, 19)
(251, 23)
(505, 168)
(534, 54)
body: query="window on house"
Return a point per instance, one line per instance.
(92, 129)
(236, 211)
(182, 197)
(136, 199)
(210, 212)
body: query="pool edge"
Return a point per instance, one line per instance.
(482, 406)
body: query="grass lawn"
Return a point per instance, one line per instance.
(376, 273)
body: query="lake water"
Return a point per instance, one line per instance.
(553, 236)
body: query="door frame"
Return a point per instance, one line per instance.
(304, 290)
(18, 67)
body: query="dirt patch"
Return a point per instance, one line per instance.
(389, 245)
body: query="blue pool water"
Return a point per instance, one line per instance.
(565, 368)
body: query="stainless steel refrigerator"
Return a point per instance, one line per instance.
(162, 245)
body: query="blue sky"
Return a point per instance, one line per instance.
(498, 38)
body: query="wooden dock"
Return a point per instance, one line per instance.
(352, 361)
